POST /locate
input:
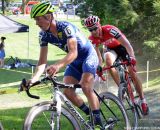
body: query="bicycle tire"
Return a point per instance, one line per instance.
(130, 107)
(107, 96)
(48, 106)
(139, 111)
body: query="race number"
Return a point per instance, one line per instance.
(68, 31)
(115, 33)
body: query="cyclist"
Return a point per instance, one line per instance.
(116, 45)
(81, 58)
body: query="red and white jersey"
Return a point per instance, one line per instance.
(110, 34)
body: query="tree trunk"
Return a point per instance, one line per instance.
(3, 7)
(24, 3)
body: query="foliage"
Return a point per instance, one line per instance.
(153, 47)
(139, 20)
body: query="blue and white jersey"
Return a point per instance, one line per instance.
(65, 31)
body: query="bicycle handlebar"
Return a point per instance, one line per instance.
(116, 64)
(24, 87)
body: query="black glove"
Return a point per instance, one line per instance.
(99, 69)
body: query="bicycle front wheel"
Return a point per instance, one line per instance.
(113, 114)
(43, 116)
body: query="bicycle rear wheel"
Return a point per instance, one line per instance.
(113, 114)
(43, 116)
(129, 106)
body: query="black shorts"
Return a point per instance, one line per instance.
(121, 52)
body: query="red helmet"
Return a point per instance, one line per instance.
(91, 21)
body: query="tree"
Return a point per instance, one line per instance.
(138, 19)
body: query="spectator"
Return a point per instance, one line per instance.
(2, 52)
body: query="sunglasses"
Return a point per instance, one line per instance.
(93, 29)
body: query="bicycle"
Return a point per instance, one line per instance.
(126, 91)
(60, 114)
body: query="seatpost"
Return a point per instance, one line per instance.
(121, 71)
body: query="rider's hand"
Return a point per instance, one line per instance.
(99, 70)
(52, 69)
(133, 60)
(29, 82)
(24, 85)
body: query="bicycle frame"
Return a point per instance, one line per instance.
(121, 67)
(124, 77)
(60, 96)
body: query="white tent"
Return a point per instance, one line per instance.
(8, 25)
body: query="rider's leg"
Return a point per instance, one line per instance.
(136, 81)
(87, 82)
(110, 57)
(87, 87)
(72, 96)
(139, 89)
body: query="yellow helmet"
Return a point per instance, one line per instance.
(41, 9)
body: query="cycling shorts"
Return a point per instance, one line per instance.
(78, 67)
(120, 51)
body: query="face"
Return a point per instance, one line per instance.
(43, 22)
(95, 31)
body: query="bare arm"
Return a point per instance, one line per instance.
(71, 55)
(124, 42)
(99, 55)
(41, 64)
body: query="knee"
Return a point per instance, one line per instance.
(67, 93)
(87, 89)
(109, 60)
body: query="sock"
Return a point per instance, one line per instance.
(96, 117)
(84, 108)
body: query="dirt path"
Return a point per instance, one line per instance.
(152, 94)
(152, 121)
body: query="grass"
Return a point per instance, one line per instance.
(11, 120)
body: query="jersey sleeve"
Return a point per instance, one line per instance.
(94, 41)
(115, 32)
(43, 39)
(69, 32)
